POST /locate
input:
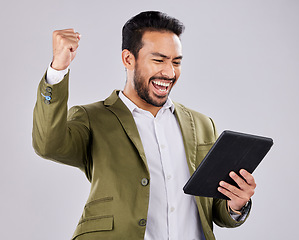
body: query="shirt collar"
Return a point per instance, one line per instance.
(132, 106)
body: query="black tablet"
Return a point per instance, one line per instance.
(232, 151)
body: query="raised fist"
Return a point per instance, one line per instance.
(65, 44)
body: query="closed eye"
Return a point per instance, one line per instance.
(158, 60)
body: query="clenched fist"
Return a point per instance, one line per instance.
(65, 44)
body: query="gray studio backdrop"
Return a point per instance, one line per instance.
(240, 67)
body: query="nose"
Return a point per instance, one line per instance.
(168, 71)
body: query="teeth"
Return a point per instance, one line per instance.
(161, 83)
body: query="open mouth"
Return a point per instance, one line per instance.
(161, 87)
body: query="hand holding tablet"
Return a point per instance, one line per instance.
(231, 152)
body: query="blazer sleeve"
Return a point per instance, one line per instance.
(58, 135)
(221, 215)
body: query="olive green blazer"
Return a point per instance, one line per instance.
(103, 141)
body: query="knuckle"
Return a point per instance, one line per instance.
(251, 192)
(56, 32)
(58, 36)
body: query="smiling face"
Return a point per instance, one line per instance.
(156, 69)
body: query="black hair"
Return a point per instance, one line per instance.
(135, 27)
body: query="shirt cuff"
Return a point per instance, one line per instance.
(240, 216)
(53, 76)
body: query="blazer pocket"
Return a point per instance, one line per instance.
(98, 207)
(97, 216)
(94, 224)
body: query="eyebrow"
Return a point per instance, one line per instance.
(164, 56)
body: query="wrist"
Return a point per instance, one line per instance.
(242, 210)
(58, 67)
(54, 76)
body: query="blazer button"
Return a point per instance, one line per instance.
(144, 182)
(48, 89)
(142, 222)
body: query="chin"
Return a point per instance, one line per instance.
(158, 101)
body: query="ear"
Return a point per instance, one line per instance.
(128, 59)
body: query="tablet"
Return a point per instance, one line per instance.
(232, 151)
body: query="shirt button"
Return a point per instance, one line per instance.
(142, 222)
(169, 177)
(172, 209)
(144, 182)
(162, 146)
(47, 101)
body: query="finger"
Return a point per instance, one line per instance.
(71, 34)
(72, 46)
(241, 182)
(232, 189)
(73, 37)
(71, 31)
(248, 177)
(66, 34)
(246, 190)
(68, 42)
(68, 30)
(229, 194)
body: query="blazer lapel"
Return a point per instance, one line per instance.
(187, 126)
(115, 105)
(184, 117)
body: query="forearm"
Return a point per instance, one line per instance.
(53, 136)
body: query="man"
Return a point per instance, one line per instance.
(137, 148)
